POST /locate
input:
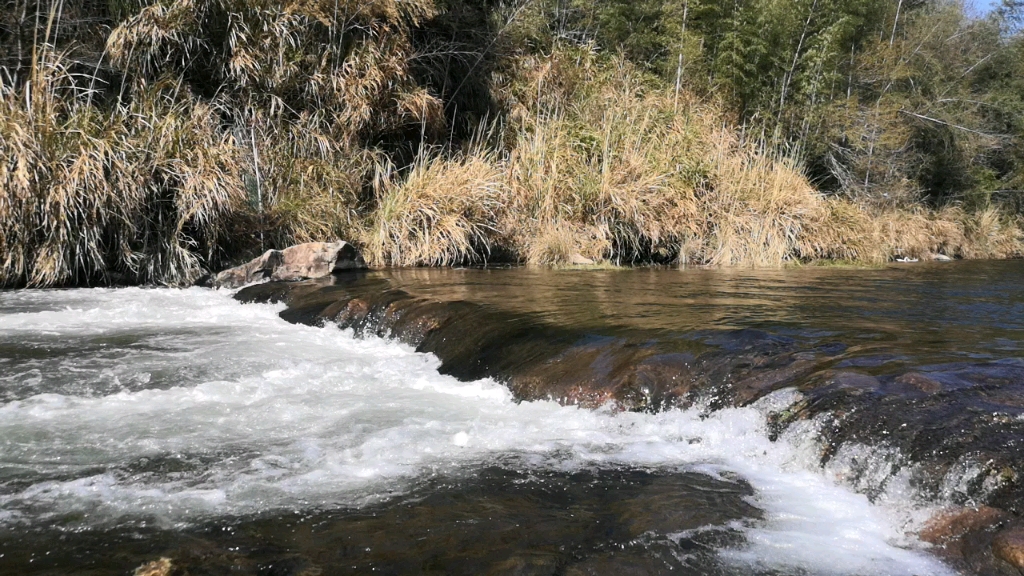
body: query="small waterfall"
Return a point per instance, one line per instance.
(140, 417)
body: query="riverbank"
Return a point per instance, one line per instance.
(153, 143)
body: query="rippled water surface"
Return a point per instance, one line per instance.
(140, 423)
(942, 312)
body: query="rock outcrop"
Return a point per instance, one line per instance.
(299, 262)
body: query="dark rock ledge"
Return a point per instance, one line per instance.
(958, 428)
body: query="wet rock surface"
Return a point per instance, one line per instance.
(955, 428)
(951, 525)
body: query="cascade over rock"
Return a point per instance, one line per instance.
(953, 423)
(298, 262)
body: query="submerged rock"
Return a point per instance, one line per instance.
(1008, 546)
(299, 262)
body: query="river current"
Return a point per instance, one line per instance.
(139, 423)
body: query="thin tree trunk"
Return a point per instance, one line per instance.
(849, 78)
(679, 68)
(259, 184)
(788, 77)
(895, 22)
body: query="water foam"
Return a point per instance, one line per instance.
(290, 417)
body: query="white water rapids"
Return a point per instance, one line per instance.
(262, 415)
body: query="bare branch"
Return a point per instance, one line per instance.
(957, 126)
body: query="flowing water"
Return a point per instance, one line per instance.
(138, 423)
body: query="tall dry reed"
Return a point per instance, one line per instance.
(600, 162)
(317, 128)
(442, 212)
(140, 192)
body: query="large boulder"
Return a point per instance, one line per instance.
(299, 262)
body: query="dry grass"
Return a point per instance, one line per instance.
(611, 166)
(757, 208)
(344, 64)
(310, 183)
(602, 163)
(441, 213)
(875, 236)
(143, 191)
(593, 159)
(991, 234)
(605, 166)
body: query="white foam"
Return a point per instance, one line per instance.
(312, 417)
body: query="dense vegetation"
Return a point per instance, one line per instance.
(146, 140)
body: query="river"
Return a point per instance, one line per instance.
(137, 423)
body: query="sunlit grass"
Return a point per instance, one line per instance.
(592, 159)
(142, 190)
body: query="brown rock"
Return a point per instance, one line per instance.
(580, 260)
(953, 523)
(255, 270)
(419, 322)
(854, 382)
(627, 563)
(1008, 545)
(161, 567)
(352, 312)
(316, 259)
(756, 386)
(309, 260)
(921, 382)
(530, 563)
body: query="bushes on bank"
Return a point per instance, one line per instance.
(140, 192)
(605, 164)
(226, 127)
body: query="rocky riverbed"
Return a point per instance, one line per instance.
(889, 409)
